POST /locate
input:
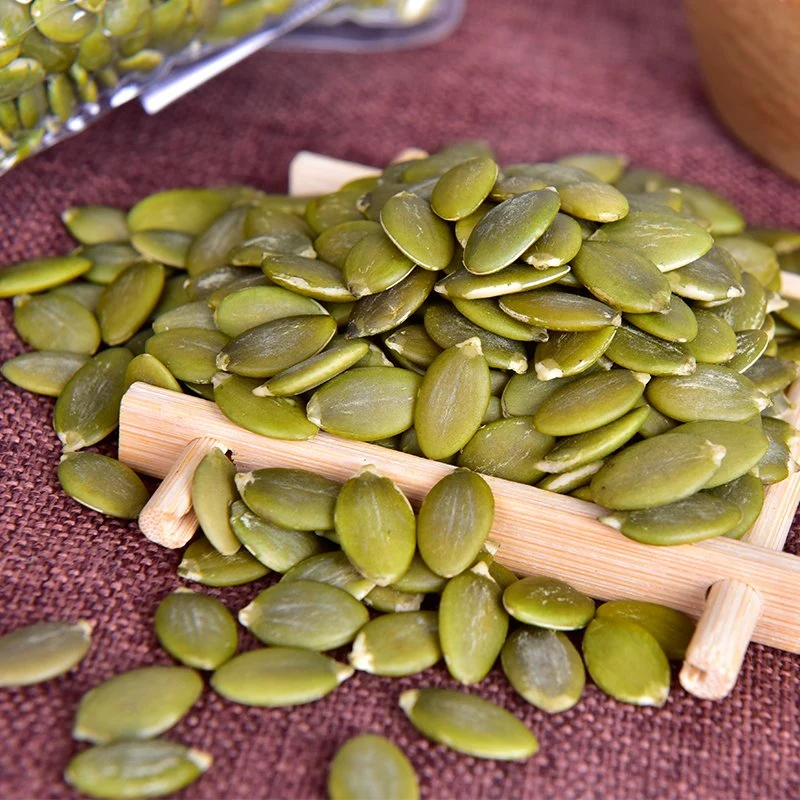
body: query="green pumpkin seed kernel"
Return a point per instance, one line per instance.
(747, 494)
(334, 569)
(375, 264)
(196, 314)
(716, 342)
(128, 301)
(461, 190)
(559, 311)
(548, 603)
(420, 578)
(188, 353)
(509, 280)
(641, 352)
(606, 167)
(96, 224)
(53, 322)
(165, 247)
(210, 249)
(44, 371)
(189, 211)
(489, 316)
(569, 353)
(676, 324)
(213, 490)
(334, 244)
(145, 368)
(203, 563)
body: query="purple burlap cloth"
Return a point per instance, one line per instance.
(537, 79)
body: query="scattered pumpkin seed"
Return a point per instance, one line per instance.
(53, 322)
(145, 368)
(188, 353)
(747, 494)
(335, 569)
(44, 371)
(129, 300)
(39, 274)
(548, 603)
(203, 563)
(213, 490)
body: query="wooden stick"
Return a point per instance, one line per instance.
(537, 531)
(716, 652)
(168, 519)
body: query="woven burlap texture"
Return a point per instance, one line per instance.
(537, 79)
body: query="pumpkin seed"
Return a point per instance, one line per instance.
(276, 417)
(53, 322)
(715, 342)
(165, 247)
(657, 471)
(691, 519)
(265, 220)
(369, 767)
(87, 409)
(671, 629)
(771, 375)
(488, 315)
(332, 209)
(189, 211)
(334, 569)
(419, 578)
(210, 248)
(417, 232)
(376, 526)
(571, 479)
(509, 280)
(389, 600)
(188, 353)
(414, 346)
(290, 498)
(109, 261)
(173, 296)
(42, 651)
(747, 311)
(782, 240)
(676, 324)
(777, 463)
(305, 614)
(668, 240)
(641, 352)
(571, 353)
(557, 246)
(713, 277)
(722, 217)
(138, 704)
(472, 624)
(523, 394)
(387, 310)
(744, 446)
(593, 200)
(459, 374)
(334, 244)
(44, 372)
(508, 230)
(710, 392)
(253, 251)
(189, 315)
(366, 403)
(548, 603)
(750, 346)
(454, 522)
(135, 769)
(544, 667)
(374, 264)
(462, 189)
(252, 280)
(129, 300)
(626, 662)
(309, 277)
(278, 676)
(747, 494)
(102, 484)
(468, 724)
(145, 368)
(464, 226)
(196, 629)
(96, 224)
(589, 402)
(213, 490)
(279, 548)
(606, 167)
(87, 294)
(202, 563)
(559, 311)
(397, 644)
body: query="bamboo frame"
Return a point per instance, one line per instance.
(739, 590)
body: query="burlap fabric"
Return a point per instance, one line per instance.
(537, 79)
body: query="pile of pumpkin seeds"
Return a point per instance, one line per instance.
(359, 570)
(580, 326)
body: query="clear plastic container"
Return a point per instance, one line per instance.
(66, 63)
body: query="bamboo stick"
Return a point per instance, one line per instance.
(167, 518)
(537, 531)
(716, 652)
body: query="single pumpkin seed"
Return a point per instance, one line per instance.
(544, 667)
(464, 226)
(42, 651)
(454, 521)
(273, 677)
(657, 471)
(468, 724)
(210, 248)
(507, 448)
(189, 211)
(173, 296)
(572, 352)
(593, 200)
(462, 189)
(376, 526)
(53, 322)
(548, 603)
(747, 311)
(606, 167)
(639, 351)
(366, 403)
(777, 463)
(715, 342)
(44, 371)
(750, 346)
(138, 704)
(714, 276)
(290, 498)
(676, 324)
(102, 484)
(188, 353)
(391, 308)
(279, 548)
(672, 629)
(710, 392)
(771, 375)
(196, 314)
(305, 614)
(523, 394)
(135, 769)
(332, 209)
(419, 577)
(87, 409)
(508, 230)
(744, 446)
(626, 662)
(334, 569)
(571, 479)
(414, 346)
(265, 220)
(722, 217)
(96, 224)
(109, 261)
(334, 244)
(438, 163)
(691, 519)
(369, 767)
(557, 246)
(129, 300)
(249, 281)
(747, 494)
(458, 380)
(417, 232)
(509, 280)
(589, 402)
(374, 264)
(87, 294)
(668, 240)
(213, 490)
(203, 563)
(196, 629)
(165, 247)
(472, 624)
(253, 251)
(487, 314)
(559, 311)
(309, 277)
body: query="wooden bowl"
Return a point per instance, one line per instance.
(749, 53)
